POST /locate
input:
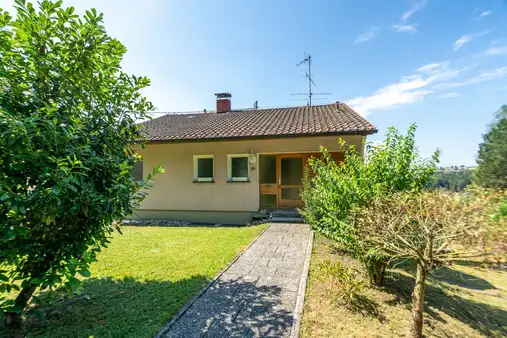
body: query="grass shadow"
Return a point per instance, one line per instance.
(233, 307)
(108, 308)
(367, 307)
(461, 279)
(490, 264)
(336, 249)
(487, 319)
(451, 276)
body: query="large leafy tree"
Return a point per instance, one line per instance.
(492, 158)
(68, 142)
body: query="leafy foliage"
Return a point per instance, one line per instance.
(331, 190)
(68, 142)
(450, 180)
(502, 211)
(344, 284)
(492, 158)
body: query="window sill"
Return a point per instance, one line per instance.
(197, 181)
(236, 181)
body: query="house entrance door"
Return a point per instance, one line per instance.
(290, 168)
(281, 177)
(281, 180)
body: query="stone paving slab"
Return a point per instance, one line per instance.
(257, 295)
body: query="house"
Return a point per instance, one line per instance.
(226, 165)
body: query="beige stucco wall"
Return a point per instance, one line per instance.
(175, 190)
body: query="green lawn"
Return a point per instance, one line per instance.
(463, 300)
(139, 282)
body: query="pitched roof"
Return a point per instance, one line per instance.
(336, 118)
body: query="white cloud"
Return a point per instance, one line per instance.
(449, 95)
(489, 75)
(405, 28)
(366, 35)
(406, 90)
(461, 41)
(484, 14)
(415, 8)
(466, 38)
(492, 51)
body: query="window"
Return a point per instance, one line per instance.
(267, 169)
(137, 171)
(237, 168)
(203, 168)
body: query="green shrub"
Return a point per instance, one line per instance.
(344, 285)
(502, 210)
(331, 191)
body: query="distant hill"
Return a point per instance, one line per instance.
(455, 178)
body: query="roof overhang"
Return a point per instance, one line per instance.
(263, 137)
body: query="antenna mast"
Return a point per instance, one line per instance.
(308, 61)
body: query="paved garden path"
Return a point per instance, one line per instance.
(259, 295)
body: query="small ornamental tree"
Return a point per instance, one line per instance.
(68, 142)
(491, 171)
(430, 228)
(331, 190)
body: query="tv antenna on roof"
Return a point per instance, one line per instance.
(308, 61)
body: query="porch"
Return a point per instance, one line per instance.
(281, 180)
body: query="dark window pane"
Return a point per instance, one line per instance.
(239, 166)
(204, 167)
(268, 201)
(268, 169)
(137, 171)
(290, 194)
(292, 170)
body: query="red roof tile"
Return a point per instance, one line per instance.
(336, 118)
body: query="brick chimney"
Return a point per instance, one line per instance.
(223, 102)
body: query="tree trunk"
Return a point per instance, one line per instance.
(13, 319)
(377, 272)
(418, 301)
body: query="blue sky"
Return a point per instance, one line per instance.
(440, 64)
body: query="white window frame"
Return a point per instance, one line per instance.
(229, 168)
(196, 161)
